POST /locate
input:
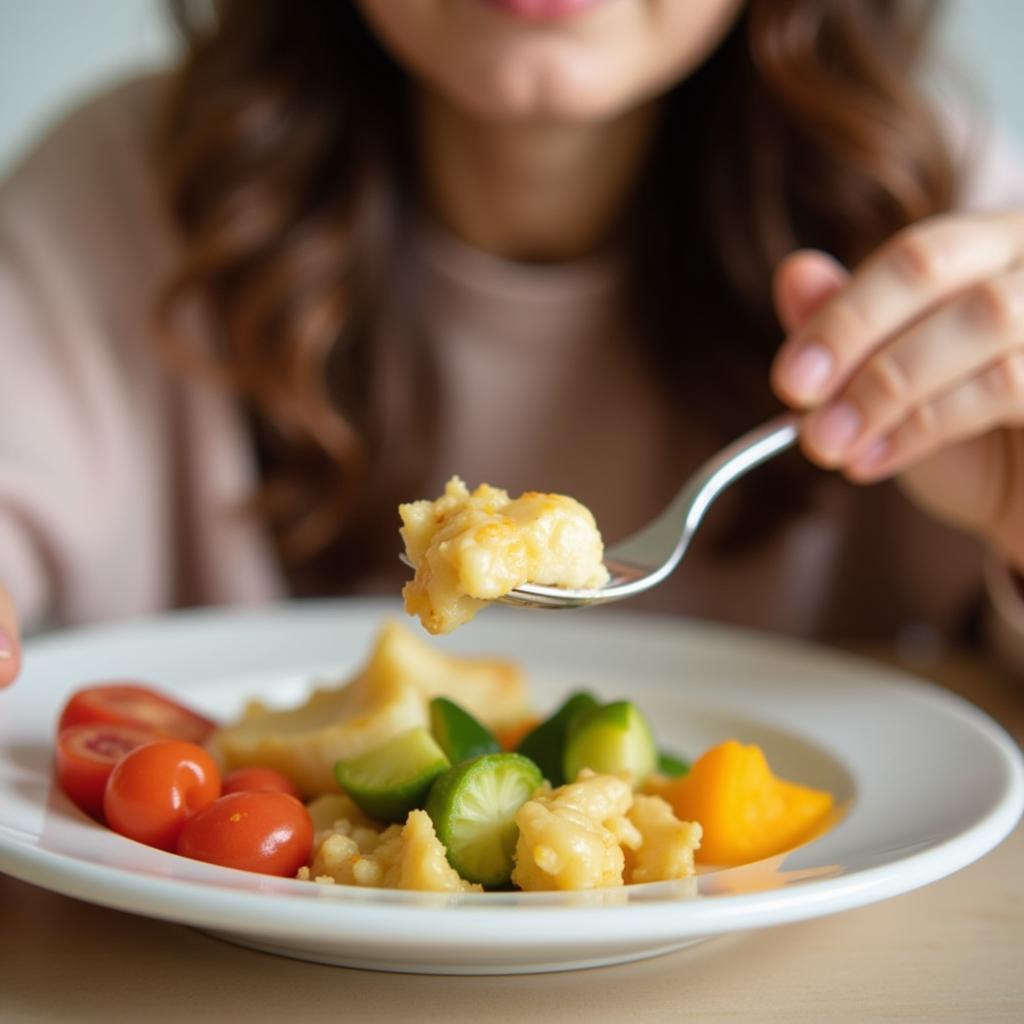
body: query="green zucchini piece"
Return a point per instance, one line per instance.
(394, 778)
(614, 738)
(545, 744)
(458, 733)
(473, 807)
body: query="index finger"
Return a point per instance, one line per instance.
(10, 648)
(912, 272)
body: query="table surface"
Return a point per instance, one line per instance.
(953, 951)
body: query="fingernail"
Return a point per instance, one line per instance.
(807, 372)
(835, 427)
(8, 658)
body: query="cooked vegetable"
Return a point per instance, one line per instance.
(473, 807)
(458, 733)
(155, 788)
(671, 766)
(393, 779)
(258, 780)
(137, 706)
(268, 832)
(86, 755)
(746, 812)
(614, 739)
(545, 745)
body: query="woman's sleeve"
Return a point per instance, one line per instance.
(51, 485)
(71, 401)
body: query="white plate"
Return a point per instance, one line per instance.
(926, 784)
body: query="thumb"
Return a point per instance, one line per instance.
(802, 282)
(10, 646)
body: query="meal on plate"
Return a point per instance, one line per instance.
(471, 548)
(426, 771)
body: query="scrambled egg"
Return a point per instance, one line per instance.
(569, 837)
(666, 846)
(390, 695)
(408, 856)
(593, 833)
(468, 549)
(328, 811)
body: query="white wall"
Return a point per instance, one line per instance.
(985, 39)
(52, 52)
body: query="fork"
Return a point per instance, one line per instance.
(650, 555)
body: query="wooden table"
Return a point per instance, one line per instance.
(953, 951)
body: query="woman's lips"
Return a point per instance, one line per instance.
(544, 9)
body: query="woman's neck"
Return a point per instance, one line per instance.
(544, 192)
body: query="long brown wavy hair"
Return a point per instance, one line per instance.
(290, 174)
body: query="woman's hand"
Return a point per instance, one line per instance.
(10, 652)
(914, 366)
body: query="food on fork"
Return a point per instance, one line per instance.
(468, 549)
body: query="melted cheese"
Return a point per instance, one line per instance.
(472, 548)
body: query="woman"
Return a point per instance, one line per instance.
(546, 243)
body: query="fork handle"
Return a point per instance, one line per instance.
(733, 461)
(681, 518)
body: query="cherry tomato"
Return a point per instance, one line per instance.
(258, 780)
(154, 789)
(86, 755)
(132, 704)
(267, 832)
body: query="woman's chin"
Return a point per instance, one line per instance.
(550, 60)
(541, 88)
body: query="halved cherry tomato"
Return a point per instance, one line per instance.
(267, 832)
(86, 755)
(154, 789)
(258, 780)
(132, 704)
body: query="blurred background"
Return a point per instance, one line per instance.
(55, 52)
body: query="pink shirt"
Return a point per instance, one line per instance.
(119, 480)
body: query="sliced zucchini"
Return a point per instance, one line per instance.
(458, 733)
(394, 778)
(473, 807)
(613, 738)
(545, 744)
